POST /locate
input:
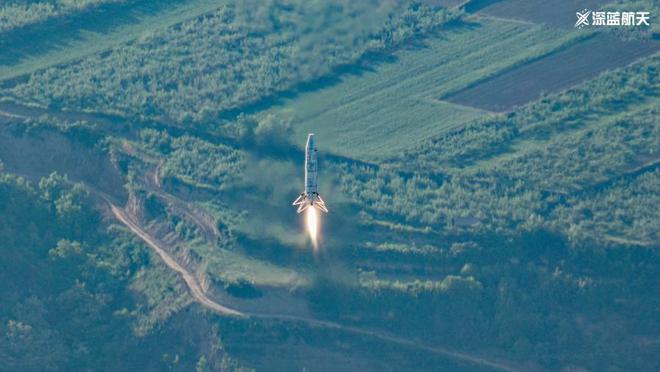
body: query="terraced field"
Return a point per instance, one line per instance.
(381, 110)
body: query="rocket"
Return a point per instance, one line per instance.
(310, 197)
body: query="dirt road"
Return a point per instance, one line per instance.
(200, 296)
(195, 288)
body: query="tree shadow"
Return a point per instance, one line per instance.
(474, 6)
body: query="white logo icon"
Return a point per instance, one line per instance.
(582, 18)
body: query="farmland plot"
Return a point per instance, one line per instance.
(562, 13)
(553, 73)
(237, 55)
(390, 107)
(553, 13)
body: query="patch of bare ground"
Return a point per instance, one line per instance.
(553, 73)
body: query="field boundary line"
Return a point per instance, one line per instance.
(502, 19)
(570, 43)
(440, 101)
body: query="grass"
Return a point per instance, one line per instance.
(223, 61)
(368, 134)
(380, 111)
(525, 146)
(17, 15)
(66, 44)
(232, 266)
(627, 203)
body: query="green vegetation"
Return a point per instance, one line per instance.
(66, 298)
(535, 252)
(553, 191)
(611, 93)
(42, 45)
(503, 170)
(451, 283)
(402, 248)
(604, 149)
(210, 247)
(528, 238)
(382, 111)
(638, 6)
(194, 161)
(19, 13)
(235, 56)
(620, 214)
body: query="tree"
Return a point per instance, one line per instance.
(274, 129)
(202, 365)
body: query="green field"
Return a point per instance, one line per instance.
(381, 110)
(59, 45)
(240, 54)
(20, 14)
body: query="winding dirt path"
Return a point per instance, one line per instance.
(200, 296)
(195, 288)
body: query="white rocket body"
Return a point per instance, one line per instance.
(310, 197)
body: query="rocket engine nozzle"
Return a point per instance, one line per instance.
(314, 200)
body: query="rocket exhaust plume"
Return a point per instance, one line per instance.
(310, 197)
(312, 218)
